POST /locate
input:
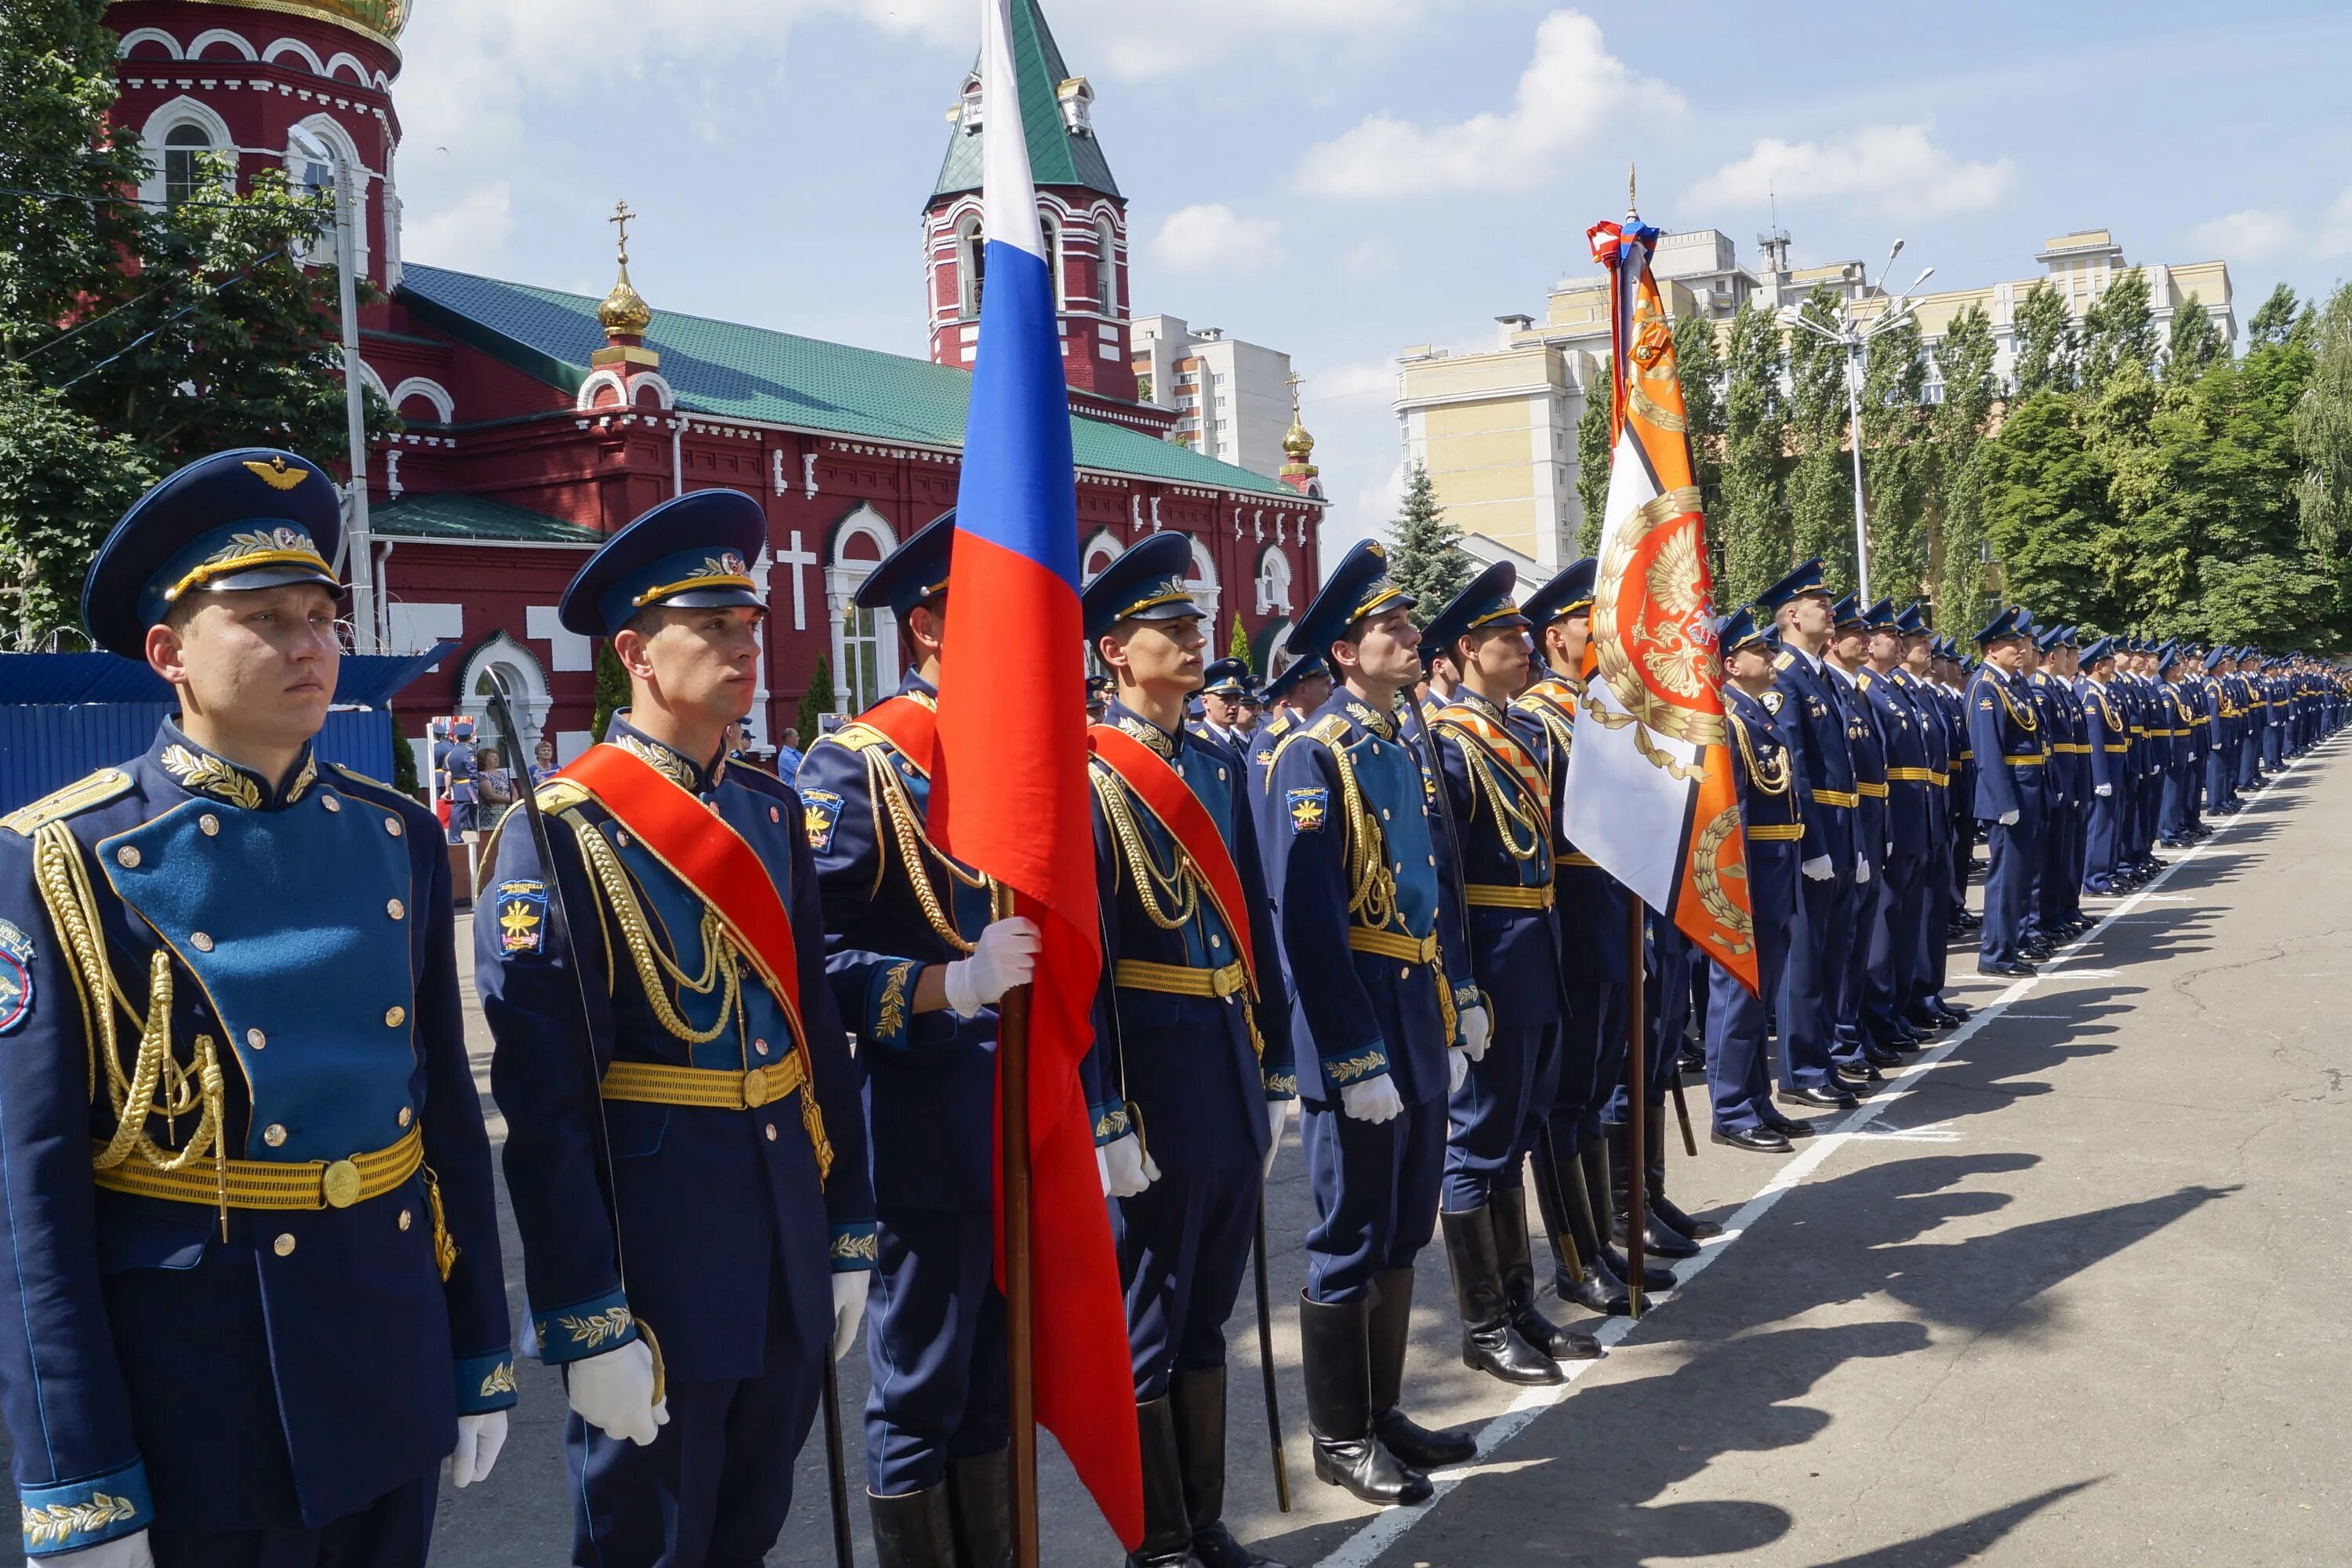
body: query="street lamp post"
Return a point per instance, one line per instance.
(1850, 335)
(357, 534)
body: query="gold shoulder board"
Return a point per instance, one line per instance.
(1784, 661)
(857, 737)
(358, 777)
(560, 796)
(72, 801)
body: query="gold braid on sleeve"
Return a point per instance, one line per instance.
(656, 970)
(1171, 897)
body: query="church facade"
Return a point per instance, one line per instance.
(535, 422)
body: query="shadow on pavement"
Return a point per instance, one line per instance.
(1957, 1543)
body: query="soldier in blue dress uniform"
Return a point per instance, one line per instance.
(1500, 801)
(257, 1289)
(918, 960)
(2055, 915)
(1374, 948)
(1226, 688)
(1816, 725)
(1925, 1008)
(1192, 1037)
(460, 778)
(709, 1091)
(2104, 734)
(1857, 1056)
(1897, 906)
(2006, 733)
(1292, 694)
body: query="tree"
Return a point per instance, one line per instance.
(403, 761)
(2121, 326)
(2045, 343)
(1238, 645)
(1820, 485)
(1958, 429)
(63, 481)
(2045, 501)
(1749, 518)
(1593, 455)
(1425, 554)
(2273, 321)
(2323, 450)
(817, 701)
(613, 690)
(1698, 365)
(2194, 342)
(1896, 462)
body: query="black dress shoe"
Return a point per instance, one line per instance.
(1419, 1448)
(1923, 1020)
(1658, 1240)
(1880, 1056)
(1754, 1140)
(1827, 1099)
(2007, 971)
(1787, 1126)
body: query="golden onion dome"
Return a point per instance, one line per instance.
(1296, 443)
(380, 20)
(624, 313)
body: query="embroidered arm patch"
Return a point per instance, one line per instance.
(1309, 808)
(820, 814)
(522, 917)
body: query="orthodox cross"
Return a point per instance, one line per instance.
(621, 217)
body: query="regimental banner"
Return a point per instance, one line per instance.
(1649, 793)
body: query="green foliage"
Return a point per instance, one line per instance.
(1593, 457)
(1238, 645)
(2273, 321)
(1821, 484)
(133, 338)
(817, 701)
(1896, 464)
(2044, 502)
(613, 690)
(1956, 504)
(2045, 343)
(2194, 341)
(403, 761)
(2323, 442)
(1425, 554)
(1749, 518)
(1700, 368)
(2120, 326)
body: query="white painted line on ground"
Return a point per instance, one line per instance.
(1385, 1529)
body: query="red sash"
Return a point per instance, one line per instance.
(1164, 793)
(910, 724)
(712, 858)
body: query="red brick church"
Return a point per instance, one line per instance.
(535, 421)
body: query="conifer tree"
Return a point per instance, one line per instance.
(613, 690)
(1749, 517)
(817, 701)
(1958, 428)
(1425, 554)
(1238, 645)
(2193, 344)
(2045, 343)
(1592, 459)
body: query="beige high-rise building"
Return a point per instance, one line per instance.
(1497, 427)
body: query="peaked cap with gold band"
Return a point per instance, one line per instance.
(1359, 586)
(1486, 604)
(255, 518)
(1567, 593)
(694, 551)
(1806, 581)
(915, 571)
(1147, 584)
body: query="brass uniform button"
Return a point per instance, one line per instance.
(127, 856)
(284, 1244)
(200, 940)
(397, 910)
(394, 1016)
(274, 1135)
(406, 1220)
(761, 1047)
(774, 815)
(406, 1116)
(392, 825)
(210, 824)
(257, 1039)
(340, 1184)
(330, 802)
(771, 1131)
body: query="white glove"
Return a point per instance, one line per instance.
(2009, 819)
(1373, 1100)
(1477, 1032)
(1818, 868)
(1457, 1070)
(1128, 1169)
(2103, 790)
(1862, 871)
(479, 1438)
(1277, 1111)
(1006, 957)
(123, 1552)
(615, 1393)
(849, 1288)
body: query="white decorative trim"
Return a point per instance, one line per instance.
(661, 388)
(1203, 582)
(169, 118)
(392, 484)
(531, 687)
(238, 41)
(584, 400)
(296, 47)
(138, 36)
(1105, 544)
(359, 68)
(374, 383)
(808, 476)
(795, 557)
(432, 392)
(776, 470)
(1273, 582)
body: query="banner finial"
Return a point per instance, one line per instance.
(1630, 207)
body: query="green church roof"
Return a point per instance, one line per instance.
(726, 370)
(1057, 155)
(453, 517)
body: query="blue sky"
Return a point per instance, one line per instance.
(1341, 178)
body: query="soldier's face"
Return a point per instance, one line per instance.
(1813, 616)
(260, 662)
(1916, 656)
(1848, 643)
(700, 662)
(1751, 666)
(1500, 656)
(1310, 692)
(1387, 649)
(1222, 711)
(2009, 654)
(1160, 655)
(1885, 647)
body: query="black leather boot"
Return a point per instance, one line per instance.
(1659, 1239)
(1654, 1138)
(1490, 1342)
(1595, 1158)
(980, 1491)
(1391, 1333)
(913, 1530)
(1335, 1358)
(1198, 1401)
(1166, 1532)
(1584, 1282)
(1516, 1254)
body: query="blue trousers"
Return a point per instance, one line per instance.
(1497, 1112)
(2008, 880)
(1819, 940)
(1375, 1193)
(1738, 1069)
(1183, 1246)
(1666, 1010)
(934, 1347)
(714, 1489)
(1890, 983)
(2104, 846)
(1591, 1060)
(2053, 899)
(393, 1531)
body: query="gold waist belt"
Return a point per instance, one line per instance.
(1505, 896)
(1777, 832)
(1393, 944)
(1869, 790)
(272, 1184)
(2025, 762)
(2117, 746)
(1178, 980)
(1914, 775)
(704, 1088)
(1847, 798)
(1578, 857)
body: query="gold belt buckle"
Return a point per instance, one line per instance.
(755, 1089)
(340, 1184)
(1223, 983)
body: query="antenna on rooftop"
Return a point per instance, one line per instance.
(1774, 242)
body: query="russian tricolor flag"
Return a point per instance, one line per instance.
(1010, 794)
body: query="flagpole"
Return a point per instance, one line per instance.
(1013, 1067)
(1637, 1095)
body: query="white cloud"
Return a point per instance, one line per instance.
(469, 233)
(2272, 234)
(1210, 236)
(1362, 382)
(1897, 169)
(1571, 89)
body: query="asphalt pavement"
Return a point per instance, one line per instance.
(2069, 1291)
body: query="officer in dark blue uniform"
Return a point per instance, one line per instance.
(255, 1297)
(1193, 1039)
(1771, 808)
(1500, 801)
(1951, 693)
(2006, 733)
(1842, 666)
(2104, 735)
(917, 962)
(2054, 915)
(1897, 907)
(1226, 688)
(1816, 724)
(461, 780)
(1925, 1008)
(1375, 953)
(1296, 691)
(734, 1250)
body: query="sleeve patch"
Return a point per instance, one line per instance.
(522, 917)
(1309, 809)
(16, 976)
(820, 814)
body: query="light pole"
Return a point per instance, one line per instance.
(1851, 335)
(357, 535)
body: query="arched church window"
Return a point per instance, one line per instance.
(971, 266)
(183, 169)
(1106, 267)
(1050, 228)
(1273, 583)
